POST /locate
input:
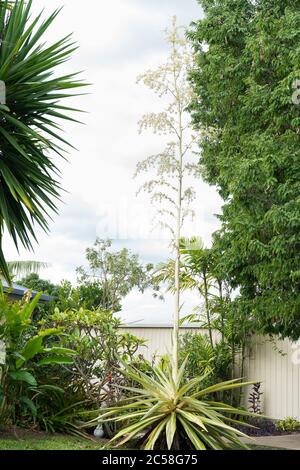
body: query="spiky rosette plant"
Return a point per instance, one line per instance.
(163, 411)
(30, 121)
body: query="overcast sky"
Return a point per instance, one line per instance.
(118, 39)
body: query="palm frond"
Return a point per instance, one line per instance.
(23, 268)
(30, 121)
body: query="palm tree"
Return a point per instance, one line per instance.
(29, 122)
(23, 268)
(194, 272)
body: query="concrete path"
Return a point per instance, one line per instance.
(290, 441)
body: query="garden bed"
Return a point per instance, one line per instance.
(264, 427)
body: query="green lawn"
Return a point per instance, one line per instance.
(50, 443)
(21, 439)
(63, 443)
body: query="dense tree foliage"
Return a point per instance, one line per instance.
(34, 282)
(248, 63)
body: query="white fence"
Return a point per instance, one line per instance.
(158, 337)
(277, 366)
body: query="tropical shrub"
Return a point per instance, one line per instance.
(93, 377)
(25, 352)
(167, 412)
(205, 360)
(202, 270)
(288, 425)
(254, 400)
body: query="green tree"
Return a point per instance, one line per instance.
(29, 130)
(194, 274)
(246, 68)
(115, 273)
(34, 282)
(65, 296)
(88, 294)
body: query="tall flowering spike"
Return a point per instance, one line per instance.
(169, 188)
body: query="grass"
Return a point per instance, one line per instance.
(54, 442)
(64, 443)
(21, 439)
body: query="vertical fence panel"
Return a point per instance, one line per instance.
(275, 365)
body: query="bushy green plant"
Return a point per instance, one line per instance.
(99, 344)
(212, 362)
(288, 425)
(25, 353)
(166, 411)
(93, 377)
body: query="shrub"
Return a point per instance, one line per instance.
(254, 399)
(25, 356)
(93, 378)
(169, 412)
(99, 346)
(288, 425)
(212, 362)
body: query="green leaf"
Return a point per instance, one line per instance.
(60, 351)
(30, 405)
(30, 121)
(52, 388)
(31, 349)
(171, 429)
(154, 435)
(55, 360)
(23, 376)
(194, 438)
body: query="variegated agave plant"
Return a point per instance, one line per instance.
(163, 411)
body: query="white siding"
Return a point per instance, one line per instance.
(277, 367)
(158, 339)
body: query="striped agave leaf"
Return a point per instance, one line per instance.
(30, 121)
(164, 411)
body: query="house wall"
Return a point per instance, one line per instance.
(276, 365)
